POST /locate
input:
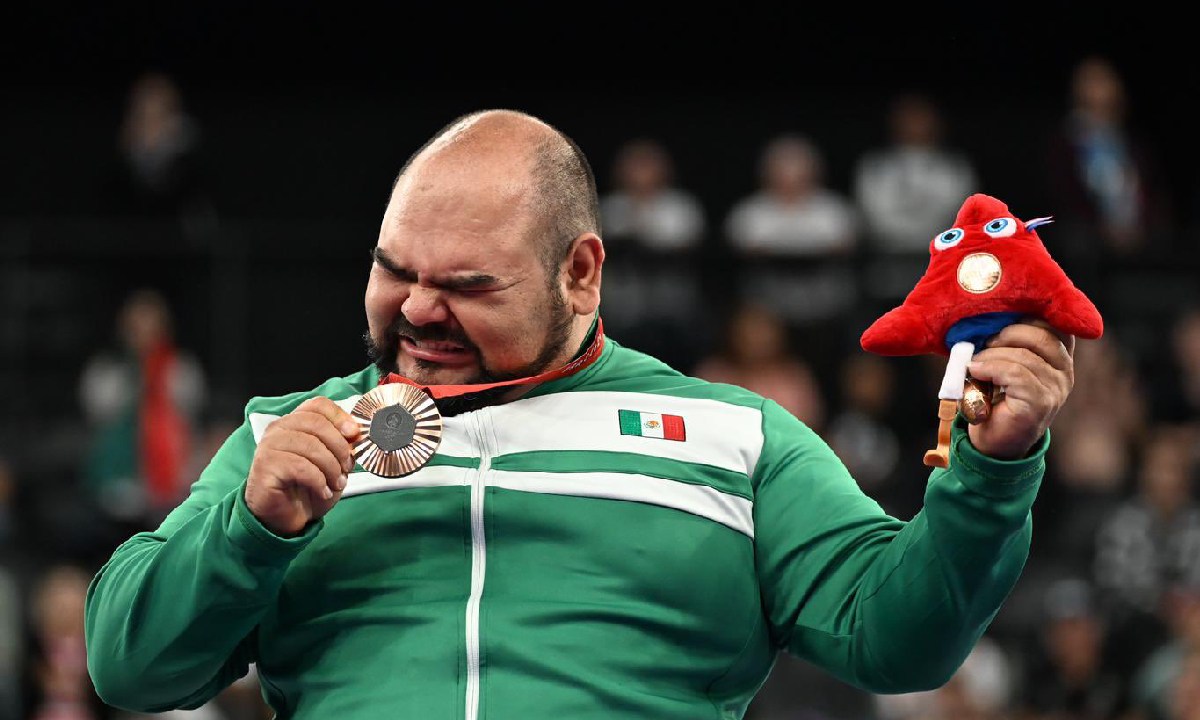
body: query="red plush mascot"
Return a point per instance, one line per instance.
(986, 272)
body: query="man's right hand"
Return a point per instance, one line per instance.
(300, 466)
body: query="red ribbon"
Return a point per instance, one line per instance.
(588, 357)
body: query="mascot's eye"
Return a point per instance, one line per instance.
(1001, 227)
(948, 239)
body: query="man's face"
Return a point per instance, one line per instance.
(458, 293)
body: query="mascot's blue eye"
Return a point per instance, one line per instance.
(1001, 227)
(948, 239)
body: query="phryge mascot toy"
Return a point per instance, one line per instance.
(985, 273)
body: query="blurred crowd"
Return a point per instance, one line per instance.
(771, 294)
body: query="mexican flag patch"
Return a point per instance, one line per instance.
(652, 425)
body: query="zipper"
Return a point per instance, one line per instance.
(478, 564)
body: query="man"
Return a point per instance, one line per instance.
(597, 536)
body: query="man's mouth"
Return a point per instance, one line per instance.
(442, 352)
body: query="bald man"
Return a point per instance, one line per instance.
(507, 514)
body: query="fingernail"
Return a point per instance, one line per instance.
(328, 493)
(342, 482)
(348, 464)
(349, 427)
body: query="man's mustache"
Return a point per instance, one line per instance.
(436, 333)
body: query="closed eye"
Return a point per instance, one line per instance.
(467, 291)
(462, 284)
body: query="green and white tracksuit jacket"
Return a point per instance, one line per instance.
(564, 556)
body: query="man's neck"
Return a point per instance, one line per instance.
(583, 340)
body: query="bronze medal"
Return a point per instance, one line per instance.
(979, 273)
(978, 398)
(400, 429)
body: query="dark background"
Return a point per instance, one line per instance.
(308, 109)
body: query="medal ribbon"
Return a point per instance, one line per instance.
(589, 356)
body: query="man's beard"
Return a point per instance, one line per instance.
(383, 352)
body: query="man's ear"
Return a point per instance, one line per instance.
(583, 266)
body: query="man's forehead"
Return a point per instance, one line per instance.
(451, 180)
(465, 195)
(457, 210)
(457, 217)
(501, 175)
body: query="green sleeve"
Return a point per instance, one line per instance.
(886, 605)
(170, 617)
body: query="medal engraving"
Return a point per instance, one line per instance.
(392, 428)
(400, 429)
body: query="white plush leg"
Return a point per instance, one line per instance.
(956, 371)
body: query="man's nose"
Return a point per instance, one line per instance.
(424, 306)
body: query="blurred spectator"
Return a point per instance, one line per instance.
(141, 400)
(1087, 478)
(1153, 540)
(1092, 469)
(1185, 690)
(912, 189)
(794, 237)
(1107, 385)
(792, 213)
(161, 174)
(647, 208)
(908, 191)
(861, 432)
(1105, 182)
(1157, 678)
(1150, 543)
(982, 689)
(757, 356)
(1093, 456)
(1174, 376)
(654, 232)
(1066, 677)
(60, 686)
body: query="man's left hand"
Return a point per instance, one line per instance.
(1035, 365)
